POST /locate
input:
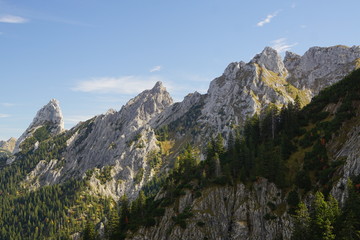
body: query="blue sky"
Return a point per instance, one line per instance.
(93, 55)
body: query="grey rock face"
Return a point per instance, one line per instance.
(50, 115)
(226, 213)
(8, 145)
(246, 88)
(177, 110)
(124, 139)
(349, 152)
(271, 60)
(320, 67)
(119, 140)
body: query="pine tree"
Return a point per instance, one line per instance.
(324, 216)
(302, 223)
(89, 231)
(125, 212)
(112, 228)
(219, 145)
(348, 224)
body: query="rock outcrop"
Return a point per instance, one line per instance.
(8, 145)
(226, 212)
(113, 150)
(50, 115)
(321, 67)
(123, 140)
(119, 142)
(247, 88)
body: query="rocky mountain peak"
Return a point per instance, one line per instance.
(320, 67)
(49, 115)
(8, 145)
(271, 60)
(147, 104)
(158, 87)
(291, 60)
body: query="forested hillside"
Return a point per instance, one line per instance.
(273, 177)
(290, 147)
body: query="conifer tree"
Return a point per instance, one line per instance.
(112, 228)
(89, 231)
(302, 223)
(125, 212)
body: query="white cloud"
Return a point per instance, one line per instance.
(74, 119)
(12, 19)
(2, 115)
(123, 85)
(267, 19)
(5, 104)
(156, 69)
(281, 45)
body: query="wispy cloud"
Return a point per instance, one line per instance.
(12, 19)
(2, 115)
(5, 104)
(281, 45)
(267, 19)
(156, 69)
(74, 119)
(123, 85)
(293, 5)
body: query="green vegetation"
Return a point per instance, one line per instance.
(51, 212)
(266, 147)
(181, 217)
(105, 174)
(289, 147)
(326, 221)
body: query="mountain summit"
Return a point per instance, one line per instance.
(152, 140)
(50, 116)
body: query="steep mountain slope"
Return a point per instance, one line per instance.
(324, 156)
(124, 144)
(49, 116)
(119, 153)
(8, 145)
(225, 212)
(247, 88)
(117, 143)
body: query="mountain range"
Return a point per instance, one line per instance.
(122, 152)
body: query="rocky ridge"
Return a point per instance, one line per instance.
(247, 88)
(235, 212)
(124, 140)
(118, 142)
(50, 115)
(8, 145)
(113, 149)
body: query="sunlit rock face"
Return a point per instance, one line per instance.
(121, 142)
(49, 115)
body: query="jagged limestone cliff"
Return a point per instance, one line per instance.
(226, 212)
(50, 116)
(120, 142)
(246, 88)
(113, 150)
(8, 145)
(116, 142)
